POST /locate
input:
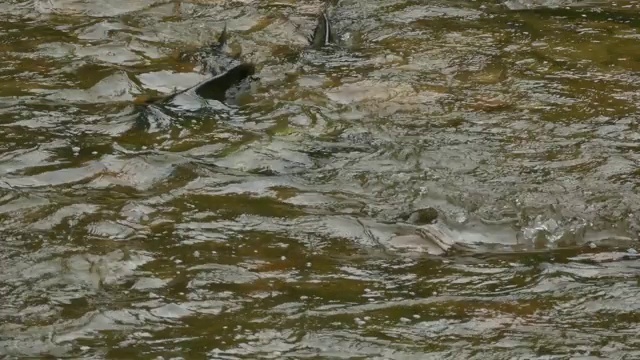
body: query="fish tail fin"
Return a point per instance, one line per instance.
(323, 34)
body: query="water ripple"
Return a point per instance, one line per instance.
(274, 227)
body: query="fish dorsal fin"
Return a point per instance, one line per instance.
(222, 39)
(323, 34)
(222, 47)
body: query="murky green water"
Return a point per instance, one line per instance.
(269, 229)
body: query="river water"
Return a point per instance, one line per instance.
(268, 228)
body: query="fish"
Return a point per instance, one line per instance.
(323, 34)
(228, 72)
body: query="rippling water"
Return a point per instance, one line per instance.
(269, 228)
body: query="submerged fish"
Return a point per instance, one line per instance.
(229, 73)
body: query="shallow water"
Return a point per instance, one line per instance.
(268, 228)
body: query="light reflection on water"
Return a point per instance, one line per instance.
(270, 229)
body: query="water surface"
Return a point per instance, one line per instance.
(268, 228)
